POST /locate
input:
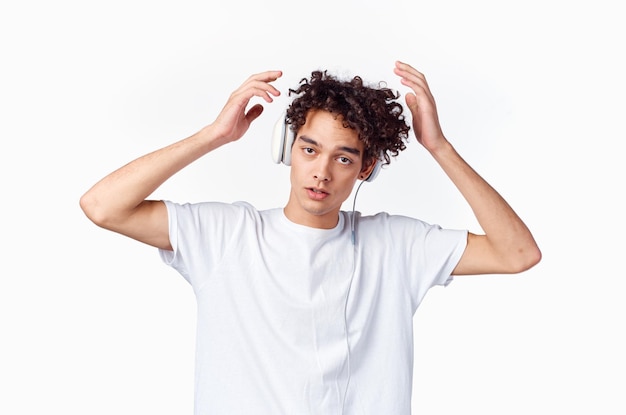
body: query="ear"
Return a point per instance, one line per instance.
(367, 169)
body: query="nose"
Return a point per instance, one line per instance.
(322, 171)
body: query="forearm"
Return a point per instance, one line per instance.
(510, 242)
(507, 245)
(117, 195)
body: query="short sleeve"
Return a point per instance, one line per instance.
(422, 254)
(199, 234)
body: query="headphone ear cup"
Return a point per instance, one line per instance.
(374, 172)
(289, 139)
(278, 140)
(282, 140)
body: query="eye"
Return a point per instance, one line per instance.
(344, 160)
(308, 150)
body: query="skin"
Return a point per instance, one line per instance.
(326, 163)
(507, 245)
(321, 177)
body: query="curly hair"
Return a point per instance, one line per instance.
(372, 112)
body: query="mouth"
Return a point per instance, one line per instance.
(316, 194)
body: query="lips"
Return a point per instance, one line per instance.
(316, 194)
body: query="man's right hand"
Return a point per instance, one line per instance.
(233, 121)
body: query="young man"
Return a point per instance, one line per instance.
(308, 309)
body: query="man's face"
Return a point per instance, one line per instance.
(326, 161)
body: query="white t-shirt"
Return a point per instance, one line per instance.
(300, 321)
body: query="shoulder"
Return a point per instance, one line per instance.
(203, 212)
(389, 221)
(213, 207)
(384, 225)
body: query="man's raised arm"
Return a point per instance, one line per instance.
(507, 245)
(118, 201)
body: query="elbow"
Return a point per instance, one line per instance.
(91, 208)
(525, 259)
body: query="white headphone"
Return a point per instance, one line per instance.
(282, 141)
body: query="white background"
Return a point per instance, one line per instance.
(530, 93)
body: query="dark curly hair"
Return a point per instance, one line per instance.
(372, 112)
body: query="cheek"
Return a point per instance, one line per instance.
(292, 176)
(296, 174)
(347, 184)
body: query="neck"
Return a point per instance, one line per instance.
(309, 217)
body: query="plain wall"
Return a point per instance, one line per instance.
(531, 94)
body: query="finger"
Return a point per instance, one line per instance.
(254, 112)
(263, 91)
(413, 81)
(257, 87)
(406, 70)
(411, 77)
(263, 78)
(267, 76)
(411, 102)
(266, 94)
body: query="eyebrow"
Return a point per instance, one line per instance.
(347, 149)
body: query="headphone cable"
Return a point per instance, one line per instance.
(345, 310)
